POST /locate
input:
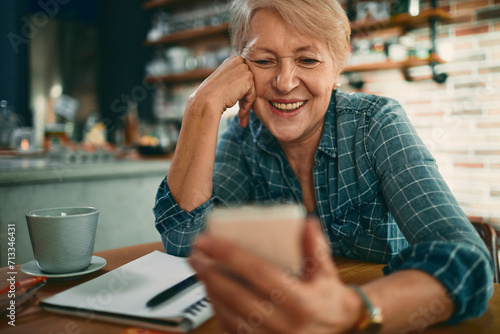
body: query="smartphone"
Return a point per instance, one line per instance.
(273, 232)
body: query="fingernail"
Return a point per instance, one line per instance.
(244, 122)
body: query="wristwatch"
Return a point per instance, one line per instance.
(371, 321)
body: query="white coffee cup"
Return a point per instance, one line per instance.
(63, 238)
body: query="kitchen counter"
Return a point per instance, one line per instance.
(25, 170)
(123, 190)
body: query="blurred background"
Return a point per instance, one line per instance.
(92, 95)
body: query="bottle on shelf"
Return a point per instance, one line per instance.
(131, 125)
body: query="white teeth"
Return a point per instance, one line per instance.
(287, 106)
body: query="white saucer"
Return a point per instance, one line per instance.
(96, 263)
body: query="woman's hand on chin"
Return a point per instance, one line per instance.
(230, 83)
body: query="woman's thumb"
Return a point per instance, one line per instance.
(317, 253)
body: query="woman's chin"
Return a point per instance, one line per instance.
(286, 133)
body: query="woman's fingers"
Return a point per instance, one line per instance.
(237, 305)
(246, 104)
(257, 272)
(230, 83)
(317, 254)
(250, 311)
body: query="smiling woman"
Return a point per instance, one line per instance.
(354, 161)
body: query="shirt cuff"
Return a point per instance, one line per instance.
(169, 214)
(463, 270)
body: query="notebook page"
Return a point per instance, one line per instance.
(126, 290)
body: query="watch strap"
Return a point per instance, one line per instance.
(371, 321)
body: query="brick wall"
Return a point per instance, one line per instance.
(459, 120)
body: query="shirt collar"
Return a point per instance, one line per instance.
(327, 142)
(261, 135)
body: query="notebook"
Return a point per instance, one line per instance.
(121, 295)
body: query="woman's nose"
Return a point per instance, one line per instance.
(286, 78)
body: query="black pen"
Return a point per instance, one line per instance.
(172, 291)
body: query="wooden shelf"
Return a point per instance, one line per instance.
(402, 20)
(198, 74)
(191, 34)
(391, 65)
(168, 3)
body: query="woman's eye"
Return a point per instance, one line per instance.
(264, 62)
(308, 62)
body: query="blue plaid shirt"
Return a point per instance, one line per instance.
(380, 196)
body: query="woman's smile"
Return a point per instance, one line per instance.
(287, 108)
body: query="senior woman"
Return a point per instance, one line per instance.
(353, 160)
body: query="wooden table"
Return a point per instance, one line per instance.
(36, 320)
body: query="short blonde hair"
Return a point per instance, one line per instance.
(323, 19)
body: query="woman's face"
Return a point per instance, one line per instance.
(294, 76)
